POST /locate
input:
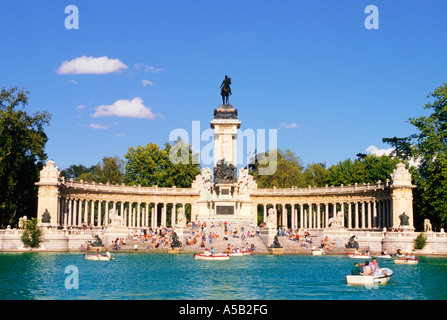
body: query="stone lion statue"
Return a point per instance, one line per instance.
(336, 221)
(115, 218)
(427, 225)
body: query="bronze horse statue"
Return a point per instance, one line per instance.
(225, 90)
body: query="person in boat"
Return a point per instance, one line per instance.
(97, 252)
(212, 251)
(374, 266)
(384, 252)
(355, 271)
(367, 271)
(399, 252)
(410, 256)
(108, 254)
(252, 247)
(207, 252)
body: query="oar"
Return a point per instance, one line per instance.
(386, 274)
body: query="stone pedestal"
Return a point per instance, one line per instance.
(277, 250)
(268, 236)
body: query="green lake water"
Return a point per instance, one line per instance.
(140, 276)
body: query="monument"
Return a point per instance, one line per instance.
(224, 196)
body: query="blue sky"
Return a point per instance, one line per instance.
(309, 69)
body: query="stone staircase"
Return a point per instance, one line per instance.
(219, 244)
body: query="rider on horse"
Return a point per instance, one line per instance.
(226, 90)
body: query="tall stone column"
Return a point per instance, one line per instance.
(301, 216)
(48, 193)
(356, 215)
(349, 214)
(402, 198)
(318, 215)
(363, 215)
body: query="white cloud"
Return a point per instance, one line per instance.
(97, 126)
(378, 152)
(287, 126)
(91, 65)
(121, 134)
(147, 82)
(80, 107)
(125, 108)
(145, 68)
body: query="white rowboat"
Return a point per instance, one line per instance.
(217, 257)
(382, 256)
(95, 257)
(359, 256)
(406, 261)
(383, 278)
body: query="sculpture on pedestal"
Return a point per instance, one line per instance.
(352, 243)
(46, 217)
(427, 225)
(181, 219)
(224, 172)
(225, 90)
(336, 222)
(271, 219)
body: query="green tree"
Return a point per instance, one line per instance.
(22, 152)
(430, 149)
(402, 146)
(149, 165)
(111, 170)
(32, 236)
(368, 169)
(315, 175)
(288, 173)
(75, 171)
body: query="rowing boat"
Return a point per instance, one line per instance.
(216, 257)
(406, 261)
(318, 252)
(380, 278)
(95, 257)
(382, 256)
(359, 256)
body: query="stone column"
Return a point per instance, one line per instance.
(310, 216)
(356, 214)
(106, 214)
(401, 198)
(363, 215)
(138, 214)
(349, 215)
(326, 215)
(99, 213)
(92, 213)
(318, 222)
(301, 216)
(86, 212)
